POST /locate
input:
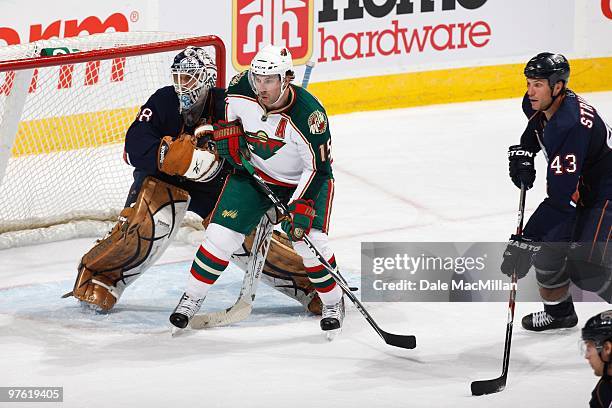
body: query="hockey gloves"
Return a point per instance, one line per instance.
(229, 140)
(518, 256)
(302, 213)
(522, 170)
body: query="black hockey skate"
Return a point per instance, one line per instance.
(541, 321)
(333, 315)
(184, 311)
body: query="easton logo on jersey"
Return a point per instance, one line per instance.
(262, 145)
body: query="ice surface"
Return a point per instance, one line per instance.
(436, 173)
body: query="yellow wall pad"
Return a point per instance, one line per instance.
(73, 132)
(449, 86)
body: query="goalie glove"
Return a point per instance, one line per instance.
(229, 141)
(301, 214)
(189, 156)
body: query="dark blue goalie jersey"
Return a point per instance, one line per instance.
(576, 143)
(160, 117)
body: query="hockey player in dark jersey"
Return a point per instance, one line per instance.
(597, 346)
(170, 119)
(567, 235)
(176, 170)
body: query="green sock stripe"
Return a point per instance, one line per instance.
(323, 284)
(209, 262)
(203, 272)
(318, 275)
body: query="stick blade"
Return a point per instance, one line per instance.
(484, 387)
(397, 340)
(240, 311)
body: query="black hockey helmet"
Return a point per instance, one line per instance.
(598, 328)
(546, 65)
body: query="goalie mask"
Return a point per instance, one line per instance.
(272, 60)
(193, 73)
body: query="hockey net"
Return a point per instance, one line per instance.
(65, 105)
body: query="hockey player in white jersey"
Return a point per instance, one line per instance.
(286, 132)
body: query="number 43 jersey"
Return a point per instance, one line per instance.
(289, 147)
(577, 145)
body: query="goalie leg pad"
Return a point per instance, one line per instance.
(141, 235)
(284, 271)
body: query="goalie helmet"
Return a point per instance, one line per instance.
(192, 72)
(272, 60)
(549, 66)
(598, 329)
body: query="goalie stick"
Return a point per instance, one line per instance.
(498, 384)
(244, 304)
(403, 341)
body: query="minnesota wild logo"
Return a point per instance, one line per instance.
(237, 78)
(317, 122)
(262, 145)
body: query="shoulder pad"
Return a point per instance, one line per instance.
(308, 113)
(568, 114)
(239, 85)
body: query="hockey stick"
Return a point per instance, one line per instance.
(309, 66)
(244, 304)
(403, 341)
(498, 384)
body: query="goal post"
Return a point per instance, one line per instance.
(65, 106)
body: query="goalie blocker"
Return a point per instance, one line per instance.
(145, 230)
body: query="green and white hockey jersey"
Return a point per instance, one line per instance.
(289, 147)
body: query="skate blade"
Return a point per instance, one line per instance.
(553, 332)
(332, 334)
